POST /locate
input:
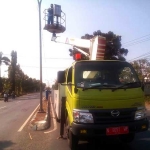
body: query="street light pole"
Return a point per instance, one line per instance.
(40, 40)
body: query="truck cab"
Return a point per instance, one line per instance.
(102, 98)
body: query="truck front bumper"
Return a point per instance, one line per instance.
(96, 130)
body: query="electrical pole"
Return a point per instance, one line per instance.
(40, 41)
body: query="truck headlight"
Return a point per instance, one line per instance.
(82, 117)
(140, 114)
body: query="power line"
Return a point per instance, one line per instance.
(43, 67)
(36, 66)
(136, 39)
(42, 57)
(138, 42)
(141, 56)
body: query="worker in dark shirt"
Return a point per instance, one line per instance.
(48, 91)
(50, 15)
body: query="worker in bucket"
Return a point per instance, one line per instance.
(50, 15)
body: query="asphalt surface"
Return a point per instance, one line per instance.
(13, 115)
(28, 139)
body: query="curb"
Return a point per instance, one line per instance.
(41, 124)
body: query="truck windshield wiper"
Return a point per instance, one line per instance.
(124, 86)
(99, 86)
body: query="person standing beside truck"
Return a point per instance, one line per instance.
(47, 93)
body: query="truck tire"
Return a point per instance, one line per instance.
(71, 138)
(127, 138)
(72, 141)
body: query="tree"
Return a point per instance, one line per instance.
(142, 67)
(113, 48)
(6, 84)
(19, 82)
(13, 68)
(4, 60)
(55, 85)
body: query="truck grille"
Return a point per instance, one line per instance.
(105, 117)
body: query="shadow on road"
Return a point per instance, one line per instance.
(5, 144)
(142, 141)
(104, 144)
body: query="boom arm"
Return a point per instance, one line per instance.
(83, 43)
(95, 46)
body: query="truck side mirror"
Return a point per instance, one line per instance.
(61, 76)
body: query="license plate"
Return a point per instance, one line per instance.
(117, 130)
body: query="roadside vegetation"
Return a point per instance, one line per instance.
(17, 80)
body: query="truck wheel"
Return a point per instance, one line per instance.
(71, 138)
(127, 138)
(72, 141)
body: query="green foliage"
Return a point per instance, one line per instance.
(13, 57)
(142, 67)
(17, 80)
(55, 85)
(13, 69)
(4, 60)
(6, 84)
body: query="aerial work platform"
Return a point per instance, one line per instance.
(55, 19)
(54, 28)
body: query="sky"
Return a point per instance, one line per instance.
(19, 31)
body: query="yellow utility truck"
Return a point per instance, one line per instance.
(100, 97)
(96, 97)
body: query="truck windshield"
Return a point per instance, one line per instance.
(107, 74)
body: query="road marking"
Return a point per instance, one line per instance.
(18, 102)
(54, 120)
(2, 107)
(28, 119)
(30, 136)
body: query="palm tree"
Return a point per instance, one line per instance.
(4, 60)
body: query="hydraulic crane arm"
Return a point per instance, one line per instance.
(95, 47)
(83, 43)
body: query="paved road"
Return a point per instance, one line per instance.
(49, 140)
(13, 114)
(27, 139)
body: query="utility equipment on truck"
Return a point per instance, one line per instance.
(101, 98)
